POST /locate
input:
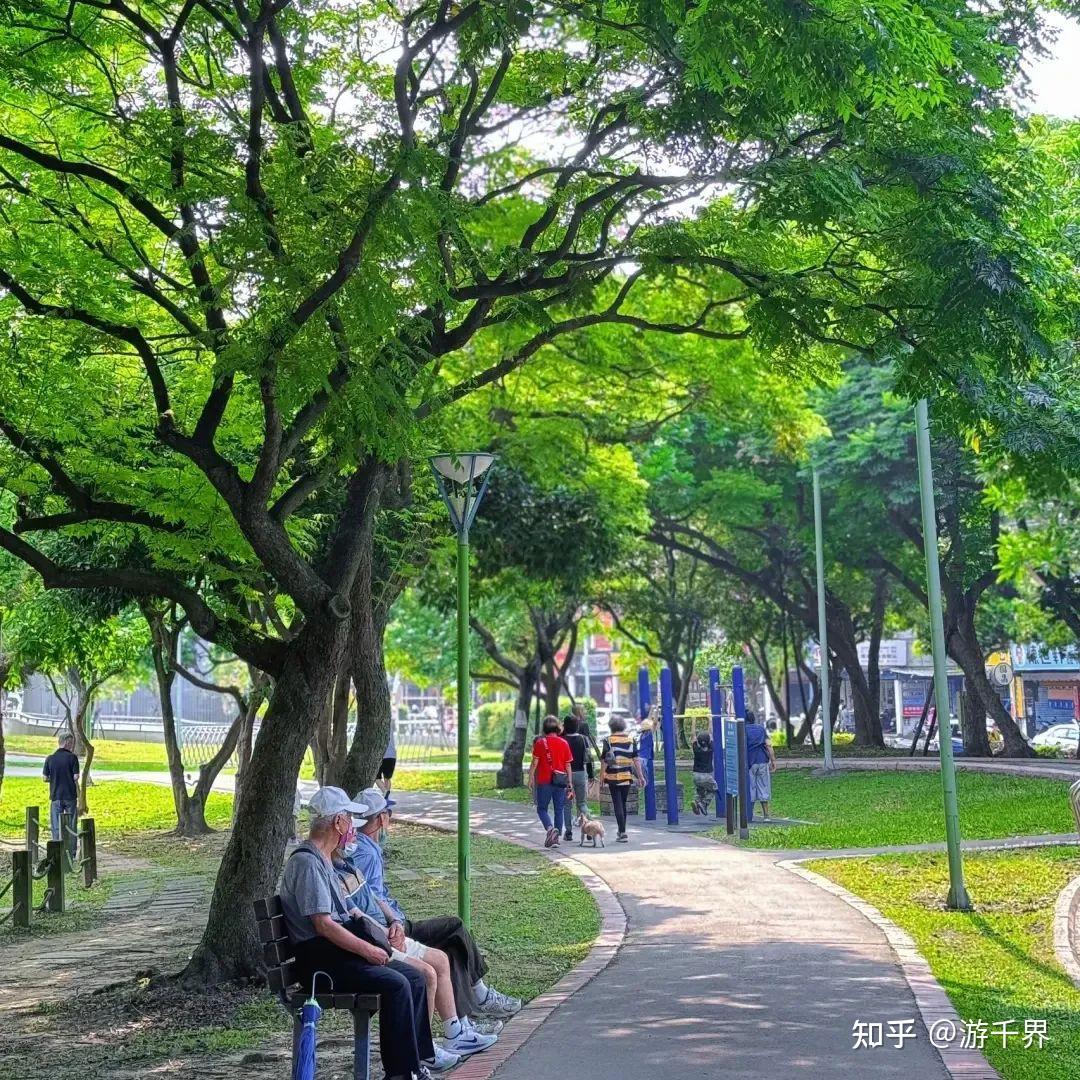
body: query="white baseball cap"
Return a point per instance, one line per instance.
(375, 800)
(329, 801)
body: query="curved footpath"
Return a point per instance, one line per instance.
(732, 966)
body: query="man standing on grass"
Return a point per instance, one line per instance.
(760, 763)
(62, 772)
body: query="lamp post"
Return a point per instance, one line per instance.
(823, 632)
(958, 898)
(462, 480)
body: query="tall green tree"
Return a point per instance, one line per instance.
(79, 643)
(251, 254)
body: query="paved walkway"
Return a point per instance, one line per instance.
(732, 967)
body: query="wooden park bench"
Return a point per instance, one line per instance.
(281, 972)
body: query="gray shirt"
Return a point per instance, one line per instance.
(309, 887)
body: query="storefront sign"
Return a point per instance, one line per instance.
(1036, 657)
(892, 652)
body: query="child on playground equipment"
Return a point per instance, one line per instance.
(704, 781)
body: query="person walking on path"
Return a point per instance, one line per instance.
(704, 780)
(619, 764)
(761, 763)
(581, 770)
(549, 778)
(385, 775)
(61, 770)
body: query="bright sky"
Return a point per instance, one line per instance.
(1055, 81)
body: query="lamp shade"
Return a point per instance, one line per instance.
(461, 468)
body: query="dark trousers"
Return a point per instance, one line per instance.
(619, 793)
(467, 964)
(404, 1031)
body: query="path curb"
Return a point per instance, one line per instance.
(930, 999)
(1067, 930)
(525, 1024)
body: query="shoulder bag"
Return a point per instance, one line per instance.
(558, 779)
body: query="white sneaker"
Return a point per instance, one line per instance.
(443, 1060)
(469, 1042)
(485, 1025)
(499, 1006)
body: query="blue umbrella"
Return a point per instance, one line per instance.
(304, 1067)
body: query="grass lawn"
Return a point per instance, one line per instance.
(108, 753)
(117, 807)
(996, 964)
(481, 784)
(123, 813)
(870, 809)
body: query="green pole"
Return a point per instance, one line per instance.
(823, 632)
(463, 697)
(958, 898)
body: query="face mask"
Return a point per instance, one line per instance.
(351, 848)
(348, 839)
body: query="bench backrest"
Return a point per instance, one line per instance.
(277, 949)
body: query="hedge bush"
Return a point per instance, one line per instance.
(495, 718)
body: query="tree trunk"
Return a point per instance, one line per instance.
(873, 661)
(964, 648)
(759, 652)
(511, 775)
(190, 818)
(320, 743)
(339, 729)
(867, 713)
(190, 805)
(84, 747)
(260, 687)
(5, 670)
(366, 663)
(251, 864)
(552, 684)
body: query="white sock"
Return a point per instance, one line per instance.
(480, 990)
(452, 1027)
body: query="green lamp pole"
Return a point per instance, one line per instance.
(462, 480)
(958, 898)
(823, 631)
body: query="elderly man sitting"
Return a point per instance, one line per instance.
(330, 936)
(463, 1040)
(445, 932)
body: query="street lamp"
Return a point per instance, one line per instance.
(958, 898)
(462, 480)
(823, 632)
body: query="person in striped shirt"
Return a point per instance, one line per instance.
(620, 765)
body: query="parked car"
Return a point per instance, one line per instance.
(1063, 737)
(603, 721)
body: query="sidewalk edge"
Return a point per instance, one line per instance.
(526, 1023)
(930, 999)
(1067, 930)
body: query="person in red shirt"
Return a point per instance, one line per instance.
(549, 778)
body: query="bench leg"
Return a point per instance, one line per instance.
(297, 1031)
(361, 1045)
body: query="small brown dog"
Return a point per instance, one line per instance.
(590, 830)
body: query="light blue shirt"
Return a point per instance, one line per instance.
(367, 860)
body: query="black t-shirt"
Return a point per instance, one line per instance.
(62, 771)
(703, 758)
(580, 749)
